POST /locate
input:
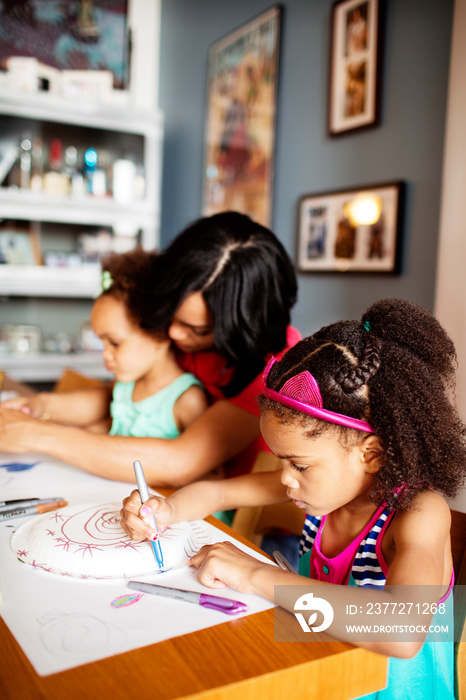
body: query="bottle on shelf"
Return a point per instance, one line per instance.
(124, 173)
(55, 180)
(25, 162)
(74, 173)
(37, 164)
(94, 173)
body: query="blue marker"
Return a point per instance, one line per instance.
(144, 494)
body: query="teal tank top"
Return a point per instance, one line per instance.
(151, 417)
(427, 676)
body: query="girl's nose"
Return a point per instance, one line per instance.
(107, 353)
(176, 331)
(288, 478)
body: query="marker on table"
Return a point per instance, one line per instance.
(24, 502)
(283, 562)
(144, 494)
(31, 510)
(214, 602)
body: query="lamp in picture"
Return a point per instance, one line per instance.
(365, 208)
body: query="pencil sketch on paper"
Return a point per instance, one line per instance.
(74, 634)
(87, 541)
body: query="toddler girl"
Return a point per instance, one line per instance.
(361, 416)
(152, 396)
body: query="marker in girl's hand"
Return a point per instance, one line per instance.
(144, 494)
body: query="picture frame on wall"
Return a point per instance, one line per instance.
(354, 85)
(68, 36)
(19, 245)
(351, 230)
(241, 109)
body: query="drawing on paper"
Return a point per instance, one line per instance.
(9, 469)
(87, 541)
(124, 600)
(18, 466)
(73, 634)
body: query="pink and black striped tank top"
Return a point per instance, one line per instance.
(362, 560)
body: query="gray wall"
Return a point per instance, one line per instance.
(407, 145)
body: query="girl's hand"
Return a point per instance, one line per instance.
(223, 564)
(18, 431)
(30, 405)
(135, 517)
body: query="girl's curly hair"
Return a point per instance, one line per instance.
(394, 369)
(133, 277)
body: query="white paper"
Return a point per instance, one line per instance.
(61, 622)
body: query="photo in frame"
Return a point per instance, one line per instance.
(90, 35)
(19, 244)
(352, 230)
(240, 119)
(354, 85)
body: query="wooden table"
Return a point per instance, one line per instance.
(238, 659)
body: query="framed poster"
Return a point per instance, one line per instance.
(354, 84)
(89, 35)
(240, 119)
(353, 230)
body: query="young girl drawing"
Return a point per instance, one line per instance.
(361, 417)
(151, 396)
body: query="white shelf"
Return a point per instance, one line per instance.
(48, 367)
(41, 281)
(50, 108)
(27, 205)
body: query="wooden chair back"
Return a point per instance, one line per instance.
(254, 522)
(458, 549)
(71, 381)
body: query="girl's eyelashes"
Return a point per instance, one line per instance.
(299, 468)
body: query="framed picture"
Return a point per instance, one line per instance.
(353, 230)
(240, 119)
(354, 84)
(19, 246)
(82, 35)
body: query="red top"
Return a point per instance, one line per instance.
(209, 367)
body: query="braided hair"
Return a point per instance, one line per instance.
(395, 369)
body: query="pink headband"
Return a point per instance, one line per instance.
(302, 393)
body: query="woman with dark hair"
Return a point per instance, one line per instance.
(223, 290)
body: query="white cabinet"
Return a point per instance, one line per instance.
(114, 127)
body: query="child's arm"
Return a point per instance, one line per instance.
(189, 406)
(420, 540)
(219, 434)
(421, 557)
(80, 408)
(199, 500)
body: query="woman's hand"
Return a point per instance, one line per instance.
(135, 517)
(223, 564)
